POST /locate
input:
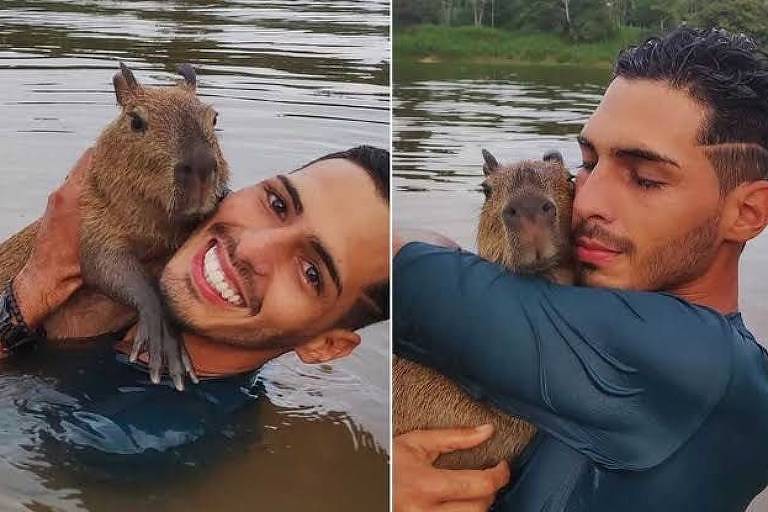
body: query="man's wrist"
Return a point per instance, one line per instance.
(31, 299)
(14, 330)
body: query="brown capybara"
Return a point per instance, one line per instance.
(524, 225)
(157, 171)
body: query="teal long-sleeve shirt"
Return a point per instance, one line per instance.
(643, 401)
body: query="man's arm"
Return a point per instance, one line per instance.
(52, 272)
(403, 237)
(623, 377)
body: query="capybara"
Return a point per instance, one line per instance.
(524, 225)
(157, 171)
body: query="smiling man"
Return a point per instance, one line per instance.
(298, 262)
(648, 390)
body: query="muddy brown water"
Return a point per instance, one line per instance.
(444, 113)
(292, 80)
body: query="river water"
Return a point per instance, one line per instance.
(292, 80)
(444, 113)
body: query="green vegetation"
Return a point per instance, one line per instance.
(487, 44)
(574, 31)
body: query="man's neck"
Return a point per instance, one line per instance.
(212, 358)
(718, 288)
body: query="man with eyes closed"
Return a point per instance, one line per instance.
(297, 262)
(648, 390)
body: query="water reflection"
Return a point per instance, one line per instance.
(445, 114)
(292, 80)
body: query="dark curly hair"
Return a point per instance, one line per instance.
(728, 74)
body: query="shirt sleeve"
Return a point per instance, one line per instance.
(623, 377)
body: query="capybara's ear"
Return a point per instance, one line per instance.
(190, 77)
(126, 85)
(490, 164)
(554, 157)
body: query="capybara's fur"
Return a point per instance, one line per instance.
(524, 225)
(156, 172)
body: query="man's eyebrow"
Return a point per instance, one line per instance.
(330, 264)
(583, 141)
(298, 207)
(645, 154)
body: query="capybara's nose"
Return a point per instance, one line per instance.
(532, 209)
(199, 164)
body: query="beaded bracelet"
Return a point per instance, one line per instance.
(14, 331)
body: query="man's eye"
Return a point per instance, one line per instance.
(312, 275)
(277, 204)
(588, 166)
(647, 184)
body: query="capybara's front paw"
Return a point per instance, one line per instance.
(163, 346)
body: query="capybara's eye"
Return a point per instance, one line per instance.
(215, 118)
(137, 123)
(486, 190)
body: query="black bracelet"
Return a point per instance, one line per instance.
(14, 331)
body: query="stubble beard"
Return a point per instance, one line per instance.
(177, 296)
(682, 260)
(671, 264)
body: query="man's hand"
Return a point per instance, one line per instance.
(52, 272)
(420, 487)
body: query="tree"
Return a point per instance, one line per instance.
(656, 14)
(748, 16)
(543, 15)
(478, 9)
(412, 12)
(590, 20)
(446, 11)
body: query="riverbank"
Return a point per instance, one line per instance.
(482, 44)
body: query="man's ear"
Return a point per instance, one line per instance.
(328, 346)
(749, 211)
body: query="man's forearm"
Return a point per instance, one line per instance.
(33, 298)
(51, 273)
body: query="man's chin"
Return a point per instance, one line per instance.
(599, 278)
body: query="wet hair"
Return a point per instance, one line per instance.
(373, 304)
(728, 74)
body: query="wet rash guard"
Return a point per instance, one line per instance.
(88, 409)
(644, 402)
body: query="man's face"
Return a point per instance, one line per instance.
(647, 206)
(282, 261)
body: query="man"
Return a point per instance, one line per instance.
(297, 263)
(644, 401)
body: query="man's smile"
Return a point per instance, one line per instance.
(215, 278)
(589, 250)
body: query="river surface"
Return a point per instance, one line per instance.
(292, 80)
(444, 113)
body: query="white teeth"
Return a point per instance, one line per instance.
(218, 281)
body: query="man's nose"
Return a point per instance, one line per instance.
(594, 193)
(263, 249)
